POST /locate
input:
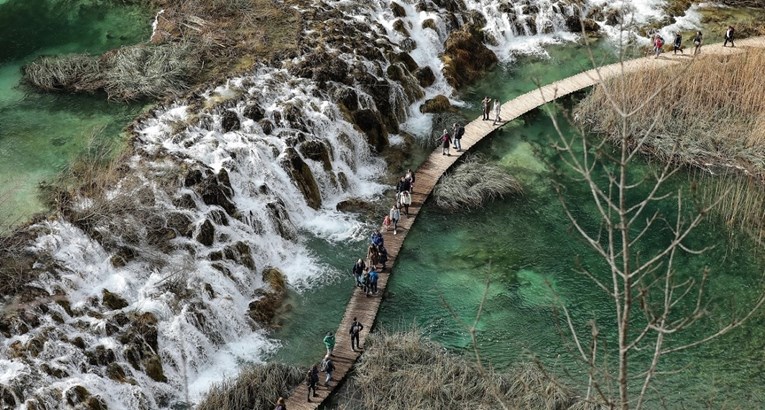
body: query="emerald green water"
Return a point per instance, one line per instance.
(526, 249)
(40, 133)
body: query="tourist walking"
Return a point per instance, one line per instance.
(383, 256)
(410, 176)
(311, 380)
(355, 331)
(697, 40)
(394, 217)
(677, 45)
(327, 366)
(486, 105)
(329, 343)
(358, 269)
(658, 43)
(406, 200)
(280, 404)
(458, 131)
(386, 223)
(729, 33)
(376, 239)
(365, 282)
(373, 276)
(497, 110)
(445, 139)
(373, 254)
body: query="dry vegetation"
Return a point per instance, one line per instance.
(197, 41)
(712, 116)
(257, 387)
(472, 183)
(408, 371)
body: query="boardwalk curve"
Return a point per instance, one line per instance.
(427, 175)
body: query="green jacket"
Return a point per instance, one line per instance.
(329, 341)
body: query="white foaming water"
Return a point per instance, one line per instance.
(202, 336)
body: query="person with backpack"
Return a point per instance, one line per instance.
(327, 366)
(311, 380)
(355, 331)
(406, 200)
(358, 269)
(395, 215)
(365, 282)
(376, 239)
(373, 276)
(410, 177)
(729, 36)
(458, 131)
(373, 254)
(678, 43)
(383, 256)
(445, 140)
(697, 40)
(329, 343)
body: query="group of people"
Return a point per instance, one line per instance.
(446, 140)
(327, 365)
(489, 107)
(698, 39)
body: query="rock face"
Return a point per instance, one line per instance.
(425, 76)
(113, 301)
(466, 57)
(575, 25)
(317, 151)
(230, 121)
(264, 308)
(436, 104)
(206, 235)
(372, 126)
(303, 177)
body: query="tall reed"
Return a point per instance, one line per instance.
(712, 115)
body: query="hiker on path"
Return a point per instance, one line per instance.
(410, 176)
(327, 366)
(373, 255)
(311, 380)
(355, 331)
(280, 404)
(678, 43)
(358, 269)
(406, 200)
(658, 43)
(486, 105)
(445, 139)
(458, 131)
(729, 33)
(376, 239)
(395, 215)
(386, 223)
(365, 282)
(497, 110)
(383, 256)
(373, 276)
(402, 185)
(329, 343)
(697, 40)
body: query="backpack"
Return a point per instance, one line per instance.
(460, 132)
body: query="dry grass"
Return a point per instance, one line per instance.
(257, 387)
(742, 207)
(712, 116)
(407, 371)
(75, 72)
(472, 183)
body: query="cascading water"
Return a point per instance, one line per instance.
(245, 167)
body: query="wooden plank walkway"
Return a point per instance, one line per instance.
(427, 175)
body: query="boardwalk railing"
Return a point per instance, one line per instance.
(427, 175)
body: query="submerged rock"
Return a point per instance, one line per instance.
(230, 121)
(263, 310)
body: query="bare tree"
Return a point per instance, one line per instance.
(651, 301)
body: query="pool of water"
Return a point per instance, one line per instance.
(40, 133)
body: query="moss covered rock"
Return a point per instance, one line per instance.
(112, 300)
(436, 104)
(466, 58)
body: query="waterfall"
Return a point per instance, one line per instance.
(240, 173)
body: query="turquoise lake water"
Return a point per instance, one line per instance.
(41, 133)
(527, 250)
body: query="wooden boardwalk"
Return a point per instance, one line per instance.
(427, 175)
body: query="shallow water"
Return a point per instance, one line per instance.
(40, 133)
